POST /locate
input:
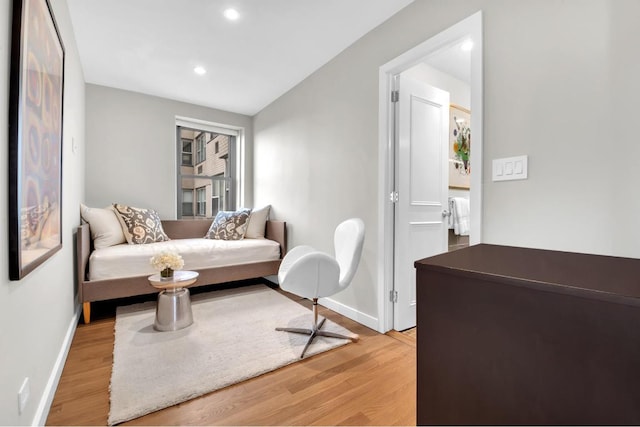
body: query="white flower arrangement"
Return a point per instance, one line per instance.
(167, 259)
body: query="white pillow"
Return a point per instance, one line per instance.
(257, 223)
(105, 227)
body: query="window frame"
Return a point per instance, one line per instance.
(201, 148)
(189, 153)
(201, 203)
(184, 191)
(236, 173)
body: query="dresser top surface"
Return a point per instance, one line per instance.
(579, 272)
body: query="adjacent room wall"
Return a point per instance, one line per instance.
(459, 91)
(131, 148)
(560, 85)
(38, 313)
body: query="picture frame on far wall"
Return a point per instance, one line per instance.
(35, 137)
(459, 147)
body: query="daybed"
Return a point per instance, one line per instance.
(94, 283)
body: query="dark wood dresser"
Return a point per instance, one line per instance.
(514, 336)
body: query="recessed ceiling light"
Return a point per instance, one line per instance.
(467, 45)
(200, 71)
(231, 14)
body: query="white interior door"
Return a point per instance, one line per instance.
(422, 123)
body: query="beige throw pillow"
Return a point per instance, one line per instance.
(104, 225)
(257, 223)
(140, 225)
(229, 225)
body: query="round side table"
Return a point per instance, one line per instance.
(173, 311)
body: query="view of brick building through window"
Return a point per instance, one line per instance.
(205, 179)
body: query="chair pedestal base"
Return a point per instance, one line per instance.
(316, 331)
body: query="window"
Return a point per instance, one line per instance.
(206, 182)
(187, 152)
(201, 194)
(187, 202)
(215, 205)
(201, 148)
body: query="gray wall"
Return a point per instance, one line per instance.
(131, 151)
(37, 312)
(560, 85)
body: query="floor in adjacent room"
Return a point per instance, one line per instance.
(371, 382)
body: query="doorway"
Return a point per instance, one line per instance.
(397, 298)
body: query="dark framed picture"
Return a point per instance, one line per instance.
(35, 137)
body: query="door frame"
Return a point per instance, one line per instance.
(471, 26)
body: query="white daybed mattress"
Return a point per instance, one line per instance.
(133, 260)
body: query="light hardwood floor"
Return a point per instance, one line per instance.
(371, 382)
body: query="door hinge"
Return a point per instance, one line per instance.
(395, 95)
(393, 197)
(393, 296)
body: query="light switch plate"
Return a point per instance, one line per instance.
(510, 168)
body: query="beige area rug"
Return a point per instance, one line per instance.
(233, 338)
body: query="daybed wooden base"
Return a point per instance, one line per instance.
(100, 290)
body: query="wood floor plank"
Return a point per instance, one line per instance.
(408, 337)
(371, 382)
(359, 395)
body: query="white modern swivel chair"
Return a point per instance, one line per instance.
(313, 274)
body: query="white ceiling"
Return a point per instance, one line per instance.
(152, 46)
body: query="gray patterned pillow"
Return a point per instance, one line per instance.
(140, 225)
(229, 225)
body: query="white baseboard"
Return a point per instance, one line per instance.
(345, 310)
(350, 312)
(40, 418)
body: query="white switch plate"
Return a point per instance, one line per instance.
(510, 168)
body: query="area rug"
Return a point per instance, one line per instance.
(233, 338)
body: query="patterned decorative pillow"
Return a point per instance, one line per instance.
(140, 225)
(229, 225)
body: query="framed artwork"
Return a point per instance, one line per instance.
(35, 137)
(459, 147)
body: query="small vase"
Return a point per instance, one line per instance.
(167, 272)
